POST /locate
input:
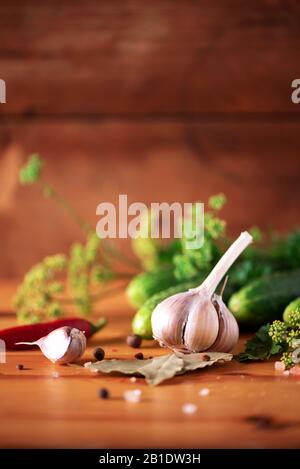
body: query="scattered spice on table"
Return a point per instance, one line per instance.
(103, 393)
(134, 341)
(189, 408)
(139, 356)
(279, 366)
(19, 366)
(295, 370)
(204, 357)
(99, 353)
(204, 392)
(133, 395)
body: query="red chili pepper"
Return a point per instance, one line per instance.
(33, 332)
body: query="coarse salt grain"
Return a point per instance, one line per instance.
(132, 395)
(189, 408)
(204, 392)
(133, 379)
(295, 370)
(279, 366)
(55, 374)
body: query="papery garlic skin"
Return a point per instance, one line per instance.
(183, 323)
(202, 326)
(171, 316)
(75, 345)
(63, 345)
(55, 345)
(198, 320)
(228, 334)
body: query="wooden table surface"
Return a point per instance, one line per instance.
(249, 405)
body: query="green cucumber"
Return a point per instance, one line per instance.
(264, 299)
(146, 284)
(291, 307)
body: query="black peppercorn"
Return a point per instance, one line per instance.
(99, 353)
(134, 341)
(139, 356)
(19, 366)
(103, 393)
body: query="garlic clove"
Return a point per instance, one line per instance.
(228, 335)
(202, 326)
(63, 345)
(169, 320)
(76, 347)
(55, 345)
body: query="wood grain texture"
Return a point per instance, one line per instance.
(255, 164)
(159, 57)
(162, 100)
(249, 406)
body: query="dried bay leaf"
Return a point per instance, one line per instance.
(156, 370)
(162, 368)
(194, 361)
(127, 367)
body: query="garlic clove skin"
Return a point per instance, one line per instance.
(202, 326)
(55, 345)
(228, 335)
(63, 345)
(76, 348)
(185, 323)
(169, 319)
(188, 324)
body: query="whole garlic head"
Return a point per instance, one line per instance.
(63, 345)
(198, 320)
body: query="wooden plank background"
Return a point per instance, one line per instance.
(162, 100)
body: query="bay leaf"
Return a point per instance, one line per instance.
(162, 368)
(194, 361)
(127, 367)
(158, 369)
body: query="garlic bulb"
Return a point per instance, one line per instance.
(198, 320)
(63, 345)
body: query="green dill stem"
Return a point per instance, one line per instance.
(106, 293)
(85, 226)
(113, 251)
(66, 206)
(95, 297)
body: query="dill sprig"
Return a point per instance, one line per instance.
(278, 339)
(60, 281)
